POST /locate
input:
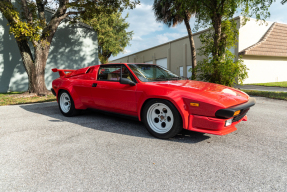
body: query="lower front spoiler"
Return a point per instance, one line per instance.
(211, 125)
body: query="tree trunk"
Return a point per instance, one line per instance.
(108, 55)
(216, 46)
(35, 68)
(104, 56)
(192, 47)
(28, 63)
(217, 34)
(41, 56)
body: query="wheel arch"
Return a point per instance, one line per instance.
(62, 89)
(179, 105)
(77, 102)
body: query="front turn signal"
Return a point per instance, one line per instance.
(194, 104)
(236, 113)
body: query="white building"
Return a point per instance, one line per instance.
(72, 47)
(262, 46)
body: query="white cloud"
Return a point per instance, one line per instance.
(137, 38)
(142, 20)
(126, 51)
(173, 36)
(162, 39)
(166, 37)
(143, 23)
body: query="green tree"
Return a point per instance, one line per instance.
(30, 24)
(112, 34)
(173, 12)
(224, 70)
(216, 14)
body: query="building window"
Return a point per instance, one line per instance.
(181, 71)
(189, 73)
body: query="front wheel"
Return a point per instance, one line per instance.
(161, 118)
(66, 104)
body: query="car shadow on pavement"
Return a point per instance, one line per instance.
(108, 122)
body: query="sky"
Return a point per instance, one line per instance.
(149, 33)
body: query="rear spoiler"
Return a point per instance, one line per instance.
(62, 72)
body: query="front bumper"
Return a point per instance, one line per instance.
(211, 125)
(216, 125)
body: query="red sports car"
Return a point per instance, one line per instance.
(154, 95)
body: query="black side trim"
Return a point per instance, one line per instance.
(229, 112)
(53, 91)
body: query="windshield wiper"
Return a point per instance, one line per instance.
(167, 79)
(174, 78)
(160, 79)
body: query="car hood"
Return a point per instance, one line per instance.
(209, 92)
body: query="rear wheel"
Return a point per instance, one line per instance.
(161, 118)
(66, 104)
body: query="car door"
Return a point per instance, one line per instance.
(82, 85)
(110, 94)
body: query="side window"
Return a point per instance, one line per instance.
(109, 73)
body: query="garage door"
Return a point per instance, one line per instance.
(149, 62)
(162, 62)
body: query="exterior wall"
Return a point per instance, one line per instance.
(265, 69)
(72, 47)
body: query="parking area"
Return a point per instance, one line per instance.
(41, 150)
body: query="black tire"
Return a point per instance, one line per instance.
(157, 121)
(68, 111)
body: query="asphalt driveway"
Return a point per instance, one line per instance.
(41, 150)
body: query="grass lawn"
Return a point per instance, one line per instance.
(269, 94)
(14, 98)
(272, 84)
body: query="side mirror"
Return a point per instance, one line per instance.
(127, 81)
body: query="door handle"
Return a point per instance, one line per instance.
(94, 85)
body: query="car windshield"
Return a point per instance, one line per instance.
(148, 73)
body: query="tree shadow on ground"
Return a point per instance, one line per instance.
(108, 122)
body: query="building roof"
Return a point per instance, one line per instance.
(273, 43)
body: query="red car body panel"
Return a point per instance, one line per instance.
(129, 100)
